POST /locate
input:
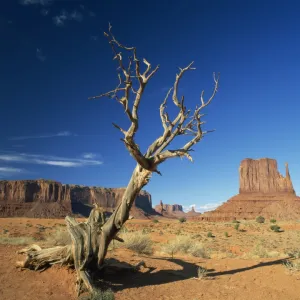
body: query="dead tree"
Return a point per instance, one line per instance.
(90, 239)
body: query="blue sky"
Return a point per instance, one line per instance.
(54, 56)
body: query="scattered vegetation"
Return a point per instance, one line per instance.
(209, 234)
(293, 253)
(235, 221)
(273, 221)
(226, 234)
(12, 240)
(100, 295)
(60, 237)
(292, 266)
(275, 228)
(182, 219)
(237, 226)
(155, 221)
(185, 245)
(201, 272)
(260, 219)
(260, 251)
(138, 242)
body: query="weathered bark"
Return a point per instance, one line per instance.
(90, 239)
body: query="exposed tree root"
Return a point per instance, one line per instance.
(83, 254)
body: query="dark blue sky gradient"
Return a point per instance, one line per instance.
(253, 44)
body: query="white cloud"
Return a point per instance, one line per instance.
(89, 155)
(59, 134)
(39, 2)
(202, 208)
(39, 55)
(47, 160)
(45, 12)
(10, 170)
(75, 15)
(64, 16)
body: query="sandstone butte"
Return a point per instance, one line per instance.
(50, 199)
(174, 211)
(263, 192)
(169, 210)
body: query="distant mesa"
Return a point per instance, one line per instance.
(50, 199)
(173, 210)
(192, 213)
(263, 191)
(169, 210)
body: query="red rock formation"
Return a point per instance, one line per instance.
(263, 191)
(168, 210)
(192, 213)
(262, 176)
(47, 198)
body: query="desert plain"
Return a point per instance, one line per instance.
(211, 260)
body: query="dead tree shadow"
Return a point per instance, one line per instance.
(235, 271)
(127, 278)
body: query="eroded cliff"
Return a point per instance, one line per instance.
(263, 191)
(47, 198)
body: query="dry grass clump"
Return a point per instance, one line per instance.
(259, 251)
(138, 242)
(185, 245)
(12, 240)
(201, 272)
(60, 237)
(100, 295)
(293, 253)
(292, 266)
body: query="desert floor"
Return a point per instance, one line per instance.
(249, 263)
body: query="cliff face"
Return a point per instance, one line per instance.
(46, 198)
(263, 191)
(262, 176)
(169, 210)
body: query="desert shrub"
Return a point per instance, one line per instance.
(155, 221)
(7, 240)
(60, 237)
(275, 228)
(226, 234)
(186, 245)
(146, 230)
(100, 295)
(198, 250)
(201, 272)
(293, 253)
(237, 226)
(182, 219)
(260, 219)
(235, 221)
(209, 234)
(5, 231)
(273, 221)
(292, 266)
(261, 252)
(136, 241)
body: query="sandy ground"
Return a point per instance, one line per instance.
(234, 272)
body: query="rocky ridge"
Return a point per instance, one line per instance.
(49, 199)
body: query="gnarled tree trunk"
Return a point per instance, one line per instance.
(90, 239)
